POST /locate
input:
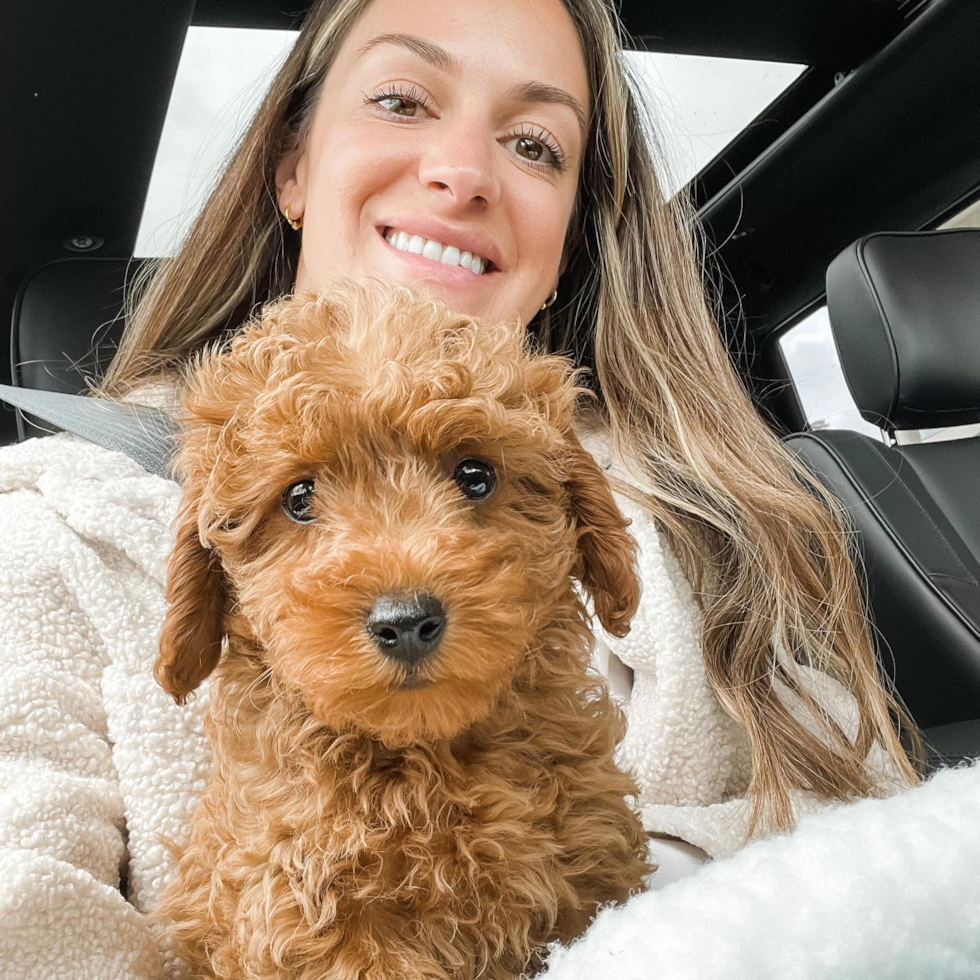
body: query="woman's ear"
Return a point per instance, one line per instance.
(606, 564)
(192, 634)
(291, 179)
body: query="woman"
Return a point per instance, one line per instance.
(492, 153)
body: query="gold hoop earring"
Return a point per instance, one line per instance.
(550, 299)
(294, 224)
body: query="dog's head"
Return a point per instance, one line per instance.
(393, 498)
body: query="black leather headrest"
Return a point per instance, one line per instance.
(905, 311)
(66, 325)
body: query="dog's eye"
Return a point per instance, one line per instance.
(475, 478)
(297, 501)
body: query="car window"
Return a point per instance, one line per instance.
(815, 368)
(811, 356)
(699, 105)
(221, 78)
(702, 104)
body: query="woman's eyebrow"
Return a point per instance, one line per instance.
(527, 92)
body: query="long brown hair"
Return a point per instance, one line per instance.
(764, 546)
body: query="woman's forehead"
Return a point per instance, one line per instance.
(508, 43)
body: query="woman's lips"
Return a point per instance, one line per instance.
(431, 269)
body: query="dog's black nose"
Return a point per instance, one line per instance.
(406, 628)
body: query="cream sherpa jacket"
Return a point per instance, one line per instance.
(96, 761)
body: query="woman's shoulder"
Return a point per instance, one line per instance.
(62, 492)
(45, 463)
(35, 462)
(597, 440)
(24, 464)
(629, 488)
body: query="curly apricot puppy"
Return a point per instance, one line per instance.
(385, 510)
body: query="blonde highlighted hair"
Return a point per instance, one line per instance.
(764, 546)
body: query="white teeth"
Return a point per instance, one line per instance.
(436, 251)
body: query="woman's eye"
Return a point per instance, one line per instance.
(529, 146)
(297, 501)
(537, 151)
(475, 477)
(398, 103)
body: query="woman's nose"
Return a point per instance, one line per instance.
(461, 166)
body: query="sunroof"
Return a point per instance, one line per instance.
(701, 104)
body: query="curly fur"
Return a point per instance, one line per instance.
(353, 829)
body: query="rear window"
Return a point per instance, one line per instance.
(818, 378)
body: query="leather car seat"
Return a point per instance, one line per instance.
(66, 327)
(905, 314)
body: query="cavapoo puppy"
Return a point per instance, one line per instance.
(385, 512)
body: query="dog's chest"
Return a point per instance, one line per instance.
(457, 832)
(466, 855)
(410, 836)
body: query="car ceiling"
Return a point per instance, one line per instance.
(85, 90)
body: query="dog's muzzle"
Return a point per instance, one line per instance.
(406, 629)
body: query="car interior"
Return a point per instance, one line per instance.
(856, 189)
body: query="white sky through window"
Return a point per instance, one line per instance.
(701, 104)
(221, 78)
(819, 379)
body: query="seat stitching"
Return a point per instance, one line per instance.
(952, 578)
(912, 497)
(872, 288)
(952, 605)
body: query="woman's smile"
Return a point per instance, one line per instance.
(435, 251)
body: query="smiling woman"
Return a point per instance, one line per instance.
(399, 136)
(493, 154)
(434, 159)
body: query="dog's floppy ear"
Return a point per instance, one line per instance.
(190, 641)
(606, 564)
